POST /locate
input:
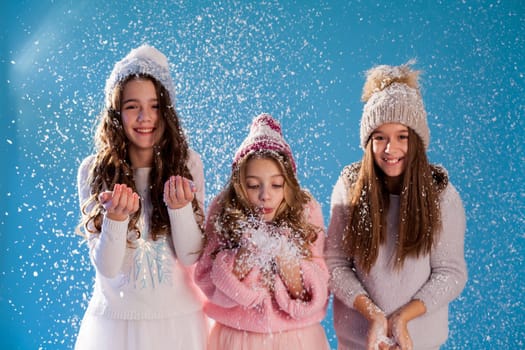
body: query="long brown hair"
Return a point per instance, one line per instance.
(112, 163)
(236, 211)
(419, 214)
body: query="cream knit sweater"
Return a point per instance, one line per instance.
(436, 279)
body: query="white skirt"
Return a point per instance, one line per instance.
(179, 333)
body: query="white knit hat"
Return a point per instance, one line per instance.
(144, 59)
(392, 95)
(265, 135)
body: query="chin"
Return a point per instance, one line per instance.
(268, 218)
(393, 173)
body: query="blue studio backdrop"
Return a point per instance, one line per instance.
(301, 61)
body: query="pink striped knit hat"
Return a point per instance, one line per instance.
(265, 135)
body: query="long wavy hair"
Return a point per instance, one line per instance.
(112, 164)
(419, 214)
(236, 210)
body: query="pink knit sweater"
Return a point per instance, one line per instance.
(247, 304)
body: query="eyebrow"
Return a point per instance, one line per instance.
(137, 100)
(257, 177)
(383, 132)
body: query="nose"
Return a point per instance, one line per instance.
(391, 145)
(143, 115)
(264, 195)
(388, 146)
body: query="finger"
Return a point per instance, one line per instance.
(193, 187)
(170, 192)
(104, 197)
(167, 191)
(179, 187)
(116, 196)
(188, 190)
(182, 190)
(136, 203)
(167, 187)
(120, 199)
(129, 203)
(126, 201)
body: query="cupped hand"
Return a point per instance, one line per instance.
(377, 333)
(119, 203)
(178, 192)
(397, 329)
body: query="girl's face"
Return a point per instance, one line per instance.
(390, 147)
(264, 183)
(141, 120)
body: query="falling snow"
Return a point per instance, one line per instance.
(304, 63)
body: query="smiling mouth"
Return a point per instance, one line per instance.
(267, 210)
(145, 130)
(392, 161)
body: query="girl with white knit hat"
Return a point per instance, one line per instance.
(262, 268)
(396, 234)
(142, 196)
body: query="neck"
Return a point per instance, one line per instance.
(141, 158)
(394, 185)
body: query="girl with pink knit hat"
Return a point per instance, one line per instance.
(142, 199)
(395, 240)
(262, 268)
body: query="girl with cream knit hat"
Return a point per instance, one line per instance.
(396, 234)
(142, 198)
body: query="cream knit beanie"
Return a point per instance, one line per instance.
(141, 60)
(391, 95)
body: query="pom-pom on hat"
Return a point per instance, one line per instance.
(391, 95)
(265, 135)
(144, 59)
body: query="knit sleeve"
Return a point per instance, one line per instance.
(447, 259)
(215, 277)
(343, 283)
(107, 248)
(196, 168)
(186, 233)
(248, 293)
(314, 273)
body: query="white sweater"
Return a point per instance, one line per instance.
(145, 279)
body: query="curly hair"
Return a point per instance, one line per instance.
(112, 163)
(237, 212)
(419, 215)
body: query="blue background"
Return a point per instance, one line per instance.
(303, 62)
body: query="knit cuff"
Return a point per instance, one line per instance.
(181, 212)
(315, 281)
(247, 292)
(113, 230)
